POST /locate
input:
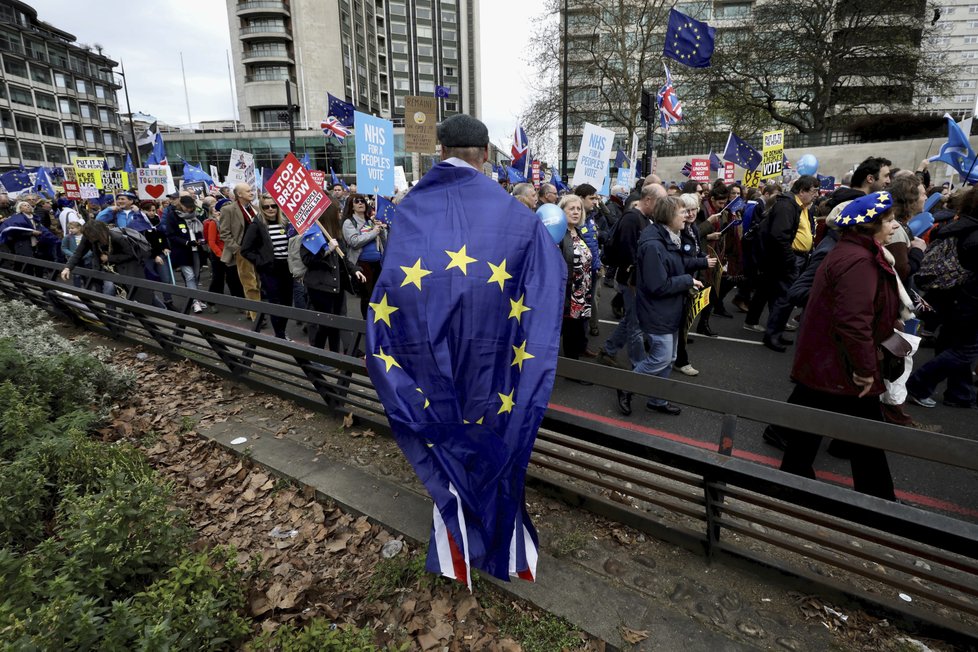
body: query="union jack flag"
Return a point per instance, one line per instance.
(687, 169)
(520, 144)
(670, 108)
(333, 128)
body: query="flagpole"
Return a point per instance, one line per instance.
(186, 93)
(234, 104)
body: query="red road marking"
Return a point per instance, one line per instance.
(828, 476)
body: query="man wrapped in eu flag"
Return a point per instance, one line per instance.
(462, 338)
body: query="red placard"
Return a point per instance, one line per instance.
(319, 178)
(72, 191)
(729, 174)
(295, 191)
(701, 169)
(536, 174)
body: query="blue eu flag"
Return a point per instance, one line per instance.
(689, 41)
(314, 239)
(342, 111)
(739, 152)
(462, 339)
(386, 210)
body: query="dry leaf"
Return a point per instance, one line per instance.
(348, 420)
(633, 635)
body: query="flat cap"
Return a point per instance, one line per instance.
(462, 131)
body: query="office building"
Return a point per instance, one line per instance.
(371, 53)
(57, 97)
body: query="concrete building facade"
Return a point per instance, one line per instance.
(371, 53)
(57, 97)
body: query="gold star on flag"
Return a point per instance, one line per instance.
(871, 212)
(414, 274)
(426, 403)
(516, 308)
(507, 400)
(383, 311)
(479, 422)
(884, 196)
(520, 354)
(499, 274)
(388, 360)
(459, 259)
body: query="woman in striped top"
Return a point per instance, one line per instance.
(266, 245)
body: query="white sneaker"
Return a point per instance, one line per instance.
(198, 306)
(792, 325)
(688, 370)
(757, 328)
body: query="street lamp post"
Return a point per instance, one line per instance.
(563, 125)
(132, 129)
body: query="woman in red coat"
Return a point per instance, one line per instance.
(853, 307)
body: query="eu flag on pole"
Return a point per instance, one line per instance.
(313, 239)
(333, 179)
(689, 41)
(443, 91)
(342, 111)
(158, 155)
(306, 162)
(130, 169)
(556, 181)
(621, 161)
(957, 152)
(515, 176)
(43, 183)
(462, 338)
(739, 152)
(193, 173)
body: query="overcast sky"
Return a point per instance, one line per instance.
(148, 38)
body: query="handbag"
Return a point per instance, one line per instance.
(892, 355)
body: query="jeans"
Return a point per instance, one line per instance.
(189, 276)
(627, 333)
(780, 305)
(957, 346)
(662, 353)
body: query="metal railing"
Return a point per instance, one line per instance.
(705, 500)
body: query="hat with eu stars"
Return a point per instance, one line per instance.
(865, 210)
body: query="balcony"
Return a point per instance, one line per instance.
(256, 7)
(249, 79)
(265, 31)
(267, 57)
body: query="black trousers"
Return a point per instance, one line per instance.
(574, 337)
(870, 469)
(276, 287)
(222, 274)
(330, 303)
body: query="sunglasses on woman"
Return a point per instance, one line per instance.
(358, 200)
(265, 207)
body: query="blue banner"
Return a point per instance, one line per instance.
(375, 154)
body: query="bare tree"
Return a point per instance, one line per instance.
(810, 64)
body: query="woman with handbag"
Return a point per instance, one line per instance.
(854, 306)
(329, 276)
(265, 245)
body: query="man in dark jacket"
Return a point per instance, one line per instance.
(786, 237)
(628, 333)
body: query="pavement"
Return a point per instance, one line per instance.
(610, 584)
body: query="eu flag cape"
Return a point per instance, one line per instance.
(462, 338)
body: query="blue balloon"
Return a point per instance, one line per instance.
(807, 165)
(920, 223)
(554, 219)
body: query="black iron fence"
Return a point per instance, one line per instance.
(705, 500)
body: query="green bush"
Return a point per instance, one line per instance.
(318, 635)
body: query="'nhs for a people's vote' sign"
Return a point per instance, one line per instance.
(592, 158)
(375, 154)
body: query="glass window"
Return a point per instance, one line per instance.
(402, 84)
(103, 115)
(35, 50)
(31, 151)
(970, 40)
(89, 135)
(61, 80)
(449, 53)
(426, 86)
(424, 32)
(40, 73)
(448, 16)
(11, 42)
(20, 95)
(85, 109)
(398, 9)
(400, 66)
(399, 48)
(45, 101)
(449, 71)
(49, 128)
(398, 28)
(100, 92)
(26, 124)
(424, 13)
(59, 56)
(448, 35)
(67, 106)
(425, 51)
(70, 132)
(451, 106)
(426, 68)
(14, 67)
(108, 138)
(81, 86)
(8, 148)
(56, 154)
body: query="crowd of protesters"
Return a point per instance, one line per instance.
(842, 267)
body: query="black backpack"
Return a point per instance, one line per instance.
(611, 254)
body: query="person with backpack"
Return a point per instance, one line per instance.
(183, 231)
(949, 276)
(112, 251)
(221, 273)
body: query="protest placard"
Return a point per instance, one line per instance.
(420, 116)
(700, 169)
(72, 191)
(535, 169)
(593, 155)
(214, 174)
(375, 154)
(114, 181)
(318, 178)
(729, 174)
(752, 179)
(241, 169)
(293, 189)
(88, 173)
(772, 156)
(624, 177)
(400, 179)
(198, 188)
(151, 183)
